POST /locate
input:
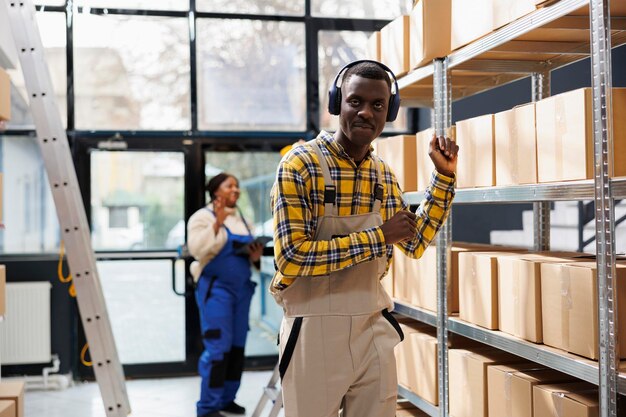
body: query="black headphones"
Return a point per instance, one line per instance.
(334, 92)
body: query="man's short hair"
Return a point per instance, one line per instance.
(369, 70)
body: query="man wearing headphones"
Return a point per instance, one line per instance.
(338, 209)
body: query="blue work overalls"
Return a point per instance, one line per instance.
(223, 296)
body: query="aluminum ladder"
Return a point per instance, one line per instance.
(271, 392)
(55, 151)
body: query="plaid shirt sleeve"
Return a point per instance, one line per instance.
(431, 213)
(295, 252)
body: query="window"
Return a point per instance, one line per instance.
(272, 7)
(256, 172)
(118, 217)
(52, 26)
(147, 318)
(336, 49)
(28, 211)
(251, 75)
(137, 200)
(125, 81)
(137, 4)
(361, 9)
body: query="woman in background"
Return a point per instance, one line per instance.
(221, 242)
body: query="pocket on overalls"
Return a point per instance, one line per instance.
(394, 323)
(386, 337)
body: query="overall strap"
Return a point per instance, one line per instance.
(378, 187)
(330, 191)
(243, 219)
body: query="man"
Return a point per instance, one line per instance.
(338, 210)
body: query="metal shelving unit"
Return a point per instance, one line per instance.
(417, 401)
(518, 50)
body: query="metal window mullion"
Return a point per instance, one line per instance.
(541, 209)
(193, 65)
(69, 64)
(605, 215)
(443, 120)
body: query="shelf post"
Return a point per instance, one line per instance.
(604, 204)
(541, 209)
(443, 120)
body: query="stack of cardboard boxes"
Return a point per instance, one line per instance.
(11, 399)
(434, 28)
(11, 393)
(547, 141)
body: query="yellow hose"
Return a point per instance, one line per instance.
(83, 352)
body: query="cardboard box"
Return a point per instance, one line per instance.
(471, 20)
(569, 302)
(516, 146)
(519, 292)
(373, 47)
(507, 11)
(468, 380)
(416, 359)
(425, 295)
(400, 280)
(413, 270)
(5, 95)
(565, 136)
(410, 411)
(399, 153)
(476, 139)
(426, 375)
(423, 378)
(8, 409)
(478, 288)
(387, 281)
(565, 400)
(395, 45)
(511, 388)
(429, 31)
(519, 297)
(405, 359)
(425, 166)
(3, 290)
(618, 8)
(13, 391)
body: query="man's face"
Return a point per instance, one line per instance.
(364, 106)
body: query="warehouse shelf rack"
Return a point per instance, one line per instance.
(521, 49)
(560, 360)
(558, 191)
(425, 406)
(515, 51)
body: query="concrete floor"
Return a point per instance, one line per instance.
(170, 397)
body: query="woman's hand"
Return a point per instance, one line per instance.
(221, 212)
(256, 250)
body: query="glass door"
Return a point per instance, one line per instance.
(137, 218)
(256, 172)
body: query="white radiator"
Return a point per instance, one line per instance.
(25, 330)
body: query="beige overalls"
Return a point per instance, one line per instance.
(337, 336)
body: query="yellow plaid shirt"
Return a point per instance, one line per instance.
(298, 201)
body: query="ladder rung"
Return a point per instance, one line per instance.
(272, 393)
